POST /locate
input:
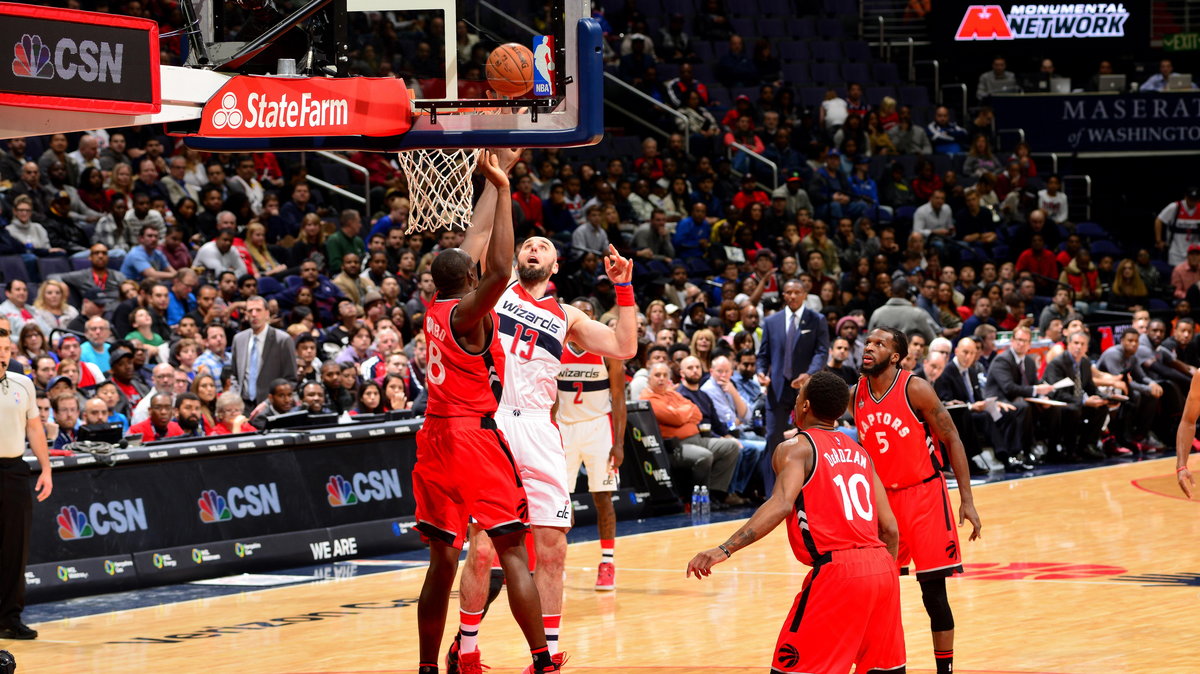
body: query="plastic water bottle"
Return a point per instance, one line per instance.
(705, 509)
(695, 503)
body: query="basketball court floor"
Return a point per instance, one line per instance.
(1077, 572)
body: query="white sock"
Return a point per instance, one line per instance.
(550, 623)
(468, 630)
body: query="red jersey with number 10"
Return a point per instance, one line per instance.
(461, 384)
(836, 507)
(892, 432)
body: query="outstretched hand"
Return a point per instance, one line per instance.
(618, 269)
(702, 564)
(489, 166)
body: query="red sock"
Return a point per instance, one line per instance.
(550, 623)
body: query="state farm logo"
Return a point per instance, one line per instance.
(32, 58)
(253, 106)
(228, 115)
(281, 112)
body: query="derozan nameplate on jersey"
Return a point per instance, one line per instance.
(66, 59)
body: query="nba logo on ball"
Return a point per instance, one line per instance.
(543, 65)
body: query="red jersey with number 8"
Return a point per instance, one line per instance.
(892, 432)
(836, 507)
(461, 384)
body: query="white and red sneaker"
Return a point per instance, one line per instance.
(606, 577)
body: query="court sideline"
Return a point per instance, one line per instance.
(1071, 568)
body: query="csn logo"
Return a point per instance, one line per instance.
(251, 500)
(99, 519)
(373, 485)
(89, 61)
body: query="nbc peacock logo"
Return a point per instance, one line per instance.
(339, 492)
(31, 58)
(213, 507)
(73, 524)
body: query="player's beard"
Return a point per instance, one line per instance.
(878, 367)
(532, 274)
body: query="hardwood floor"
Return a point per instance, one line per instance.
(1076, 573)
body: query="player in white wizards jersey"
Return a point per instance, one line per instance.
(533, 329)
(591, 418)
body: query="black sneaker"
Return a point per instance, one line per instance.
(18, 630)
(452, 654)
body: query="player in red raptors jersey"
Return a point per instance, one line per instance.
(591, 418)
(839, 523)
(534, 329)
(892, 410)
(464, 467)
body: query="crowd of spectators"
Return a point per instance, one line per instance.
(209, 292)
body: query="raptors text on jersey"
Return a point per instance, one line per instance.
(893, 434)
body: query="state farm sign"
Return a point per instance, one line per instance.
(270, 107)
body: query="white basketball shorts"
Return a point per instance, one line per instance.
(538, 450)
(589, 443)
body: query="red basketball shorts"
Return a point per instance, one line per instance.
(928, 529)
(848, 613)
(465, 469)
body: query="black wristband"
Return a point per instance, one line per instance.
(724, 549)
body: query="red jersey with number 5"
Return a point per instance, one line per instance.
(533, 332)
(895, 436)
(461, 384)
(836, 507)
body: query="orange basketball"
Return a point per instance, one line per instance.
(510, 69)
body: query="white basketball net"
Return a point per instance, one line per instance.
(439, 188)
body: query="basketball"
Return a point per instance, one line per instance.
(510, 69)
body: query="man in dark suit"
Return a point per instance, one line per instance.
(795, 346)
(1077, 426)
(261, 354)
(960, 382)
(1012, 377)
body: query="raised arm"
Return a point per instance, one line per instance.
(793, 460)
(483, 215)
(619, 341)
(471, 310)
(926, 402)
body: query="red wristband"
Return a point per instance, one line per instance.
(624, 295)
(1180, 469)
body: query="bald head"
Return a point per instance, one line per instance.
(453, 271)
